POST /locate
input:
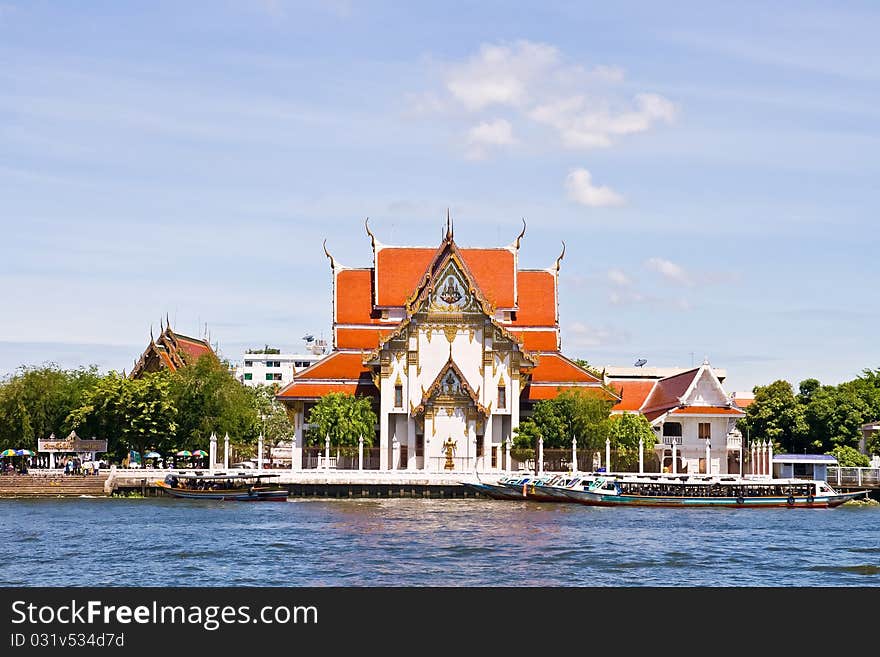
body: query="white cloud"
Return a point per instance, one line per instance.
(581, 189)
(583, 106)
(585, 335)
(618, 277)
(669, 270)
(489, 133)
(500, 74)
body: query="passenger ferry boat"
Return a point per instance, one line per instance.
(691, 491)
(538, 488)
(242, 487)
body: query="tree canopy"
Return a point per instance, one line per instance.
(344, 418)
(571, 414)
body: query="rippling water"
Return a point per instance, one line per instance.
(429, 542)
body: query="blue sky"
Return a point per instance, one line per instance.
(712, 168)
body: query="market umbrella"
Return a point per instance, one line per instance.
(200, 452)
(184, 452)
(152, 455)
(24, 452)
(8, 452)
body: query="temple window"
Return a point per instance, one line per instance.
(398, 396)
(705, 430)
(672, 428)
(502, 397)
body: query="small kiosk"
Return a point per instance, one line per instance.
(802, 466)
(73, 445)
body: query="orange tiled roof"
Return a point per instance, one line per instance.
(706, 410)
(493, 270)
(304, 390)
(554, 367)
(539, 392)
(536, 303)
(633, 394)
(743, 402)
(537, 340)
(346, 365)
(361, 338)
(354, 297)
(666, 392)
(398, 272)
(192, 347)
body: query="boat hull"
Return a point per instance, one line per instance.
(591, 498)
(495, 491)
(236, 495)
(537, 493)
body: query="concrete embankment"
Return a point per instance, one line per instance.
(52, 484)
(322, 483)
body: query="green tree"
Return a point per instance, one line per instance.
(624, 433)
(132, 414)
(275, 423)
(777, 415)
(36, 401)
(209, 399)
(571, 414)
(849, 457)
(344, 418)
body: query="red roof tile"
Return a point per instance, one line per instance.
(493, 270)
(554, 367)
(537, 340)
(668, 391)
(303, 390)
(360, 338)
(536, 299)
(539, 392)
(398, 272)
(354, 300)
(633, 394)
(706, 410)
(338, 365)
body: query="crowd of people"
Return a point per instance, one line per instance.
(69, 465)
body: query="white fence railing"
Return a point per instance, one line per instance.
(854, 476)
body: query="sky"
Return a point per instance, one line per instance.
(711, 167)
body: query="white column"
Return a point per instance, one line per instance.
(51, 460)
(296, 447)
(770, 457)
(260, 452)
(507, 445)
(410, 443)
(574, 455)
(212, 452)
(326, 452)
(674, 458)
(741, 470)
(641, 456)
(426, 460)
(539, 466)
(361, 453)
(226, 451)
(607, 455)
(383, 440)
(708, 458)
(395, 453)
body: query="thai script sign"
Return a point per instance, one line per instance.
(77, 445)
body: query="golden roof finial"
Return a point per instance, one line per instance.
(370, 233)
(327, 253)
(522, 234)
(561, 256)
(449, 230)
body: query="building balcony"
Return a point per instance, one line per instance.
(671, 440)
(734, 442)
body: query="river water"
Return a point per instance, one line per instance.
(429, 542)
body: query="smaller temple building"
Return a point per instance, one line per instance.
(170, 350)
(694, 418)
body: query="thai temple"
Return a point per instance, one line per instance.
(171, 350)
(453, 345)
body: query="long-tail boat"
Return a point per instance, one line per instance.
(241, 487)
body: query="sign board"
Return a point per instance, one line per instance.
(71, 445)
